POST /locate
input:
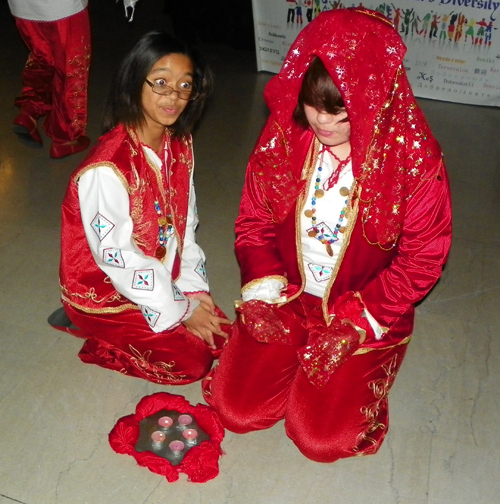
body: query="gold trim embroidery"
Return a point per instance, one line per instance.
(93, 166)
(160, 370)
(362, 351)
(307, 173)
(380, 390)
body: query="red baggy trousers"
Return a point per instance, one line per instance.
(257, 384)
(125, 343)
(55, 76)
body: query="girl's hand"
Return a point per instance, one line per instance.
(204, 324)
(206, 300)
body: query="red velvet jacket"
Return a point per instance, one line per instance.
(390, 279)
(83, 283)
(398, 241)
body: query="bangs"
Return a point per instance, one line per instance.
(319, 91)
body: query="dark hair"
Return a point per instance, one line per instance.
(319, 91)
(124, 102)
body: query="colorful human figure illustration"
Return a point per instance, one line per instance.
(451, 27)
(434, 26)
(425, 23)
(415, 24)
(480, 32)
(470, 30)
(308, 4)
(460, 27)
(317, 7)
(397, 17)
(290, 18)
(388, 12)
(298, 13)
(407, 19)
(444, 23)
(488, 33)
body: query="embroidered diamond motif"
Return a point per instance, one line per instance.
(150, 315)
(144, 280)
(178, 295)
(320, 273)
(101, 226)
(113, 257)
(201, 270)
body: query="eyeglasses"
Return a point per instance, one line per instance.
(164, 90)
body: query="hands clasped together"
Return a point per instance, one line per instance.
(204, 321)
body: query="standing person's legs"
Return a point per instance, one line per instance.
(349, 415)
(249, 388)
(66, 122)
(35, 99)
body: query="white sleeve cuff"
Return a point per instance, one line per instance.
(268, 290)
(193, 304)
(377, 328)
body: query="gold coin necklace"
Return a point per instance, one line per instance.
(320, 231)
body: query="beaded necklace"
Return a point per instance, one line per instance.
(320, 231)
(165, 223)
(165, 229)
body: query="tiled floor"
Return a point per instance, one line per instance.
(55, 412)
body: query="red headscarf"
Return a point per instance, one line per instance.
(393, 150)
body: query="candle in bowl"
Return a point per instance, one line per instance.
(190, 435)
(165, 421)
(158, 436)
(176, 446)
(185, 419)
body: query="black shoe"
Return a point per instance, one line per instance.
(59, 319)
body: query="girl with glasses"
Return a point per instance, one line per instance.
(133, 278)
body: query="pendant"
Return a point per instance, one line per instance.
(329, 250)
(313, 233)
(319, 193)
(344, 191)
(169, 219)
(162, 221)
(308, 213)
(342, 229)
(160, 252)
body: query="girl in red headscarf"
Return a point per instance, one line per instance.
(344, 225)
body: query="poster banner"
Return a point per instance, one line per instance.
(453, 45)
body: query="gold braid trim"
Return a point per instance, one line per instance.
(362, 351)
(351, 222)
(307, 173)
(114, 309)
(258, 281)
(93, 166)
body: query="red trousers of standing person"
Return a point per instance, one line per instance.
(257, 384)
(55, 76)
(125, 343)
